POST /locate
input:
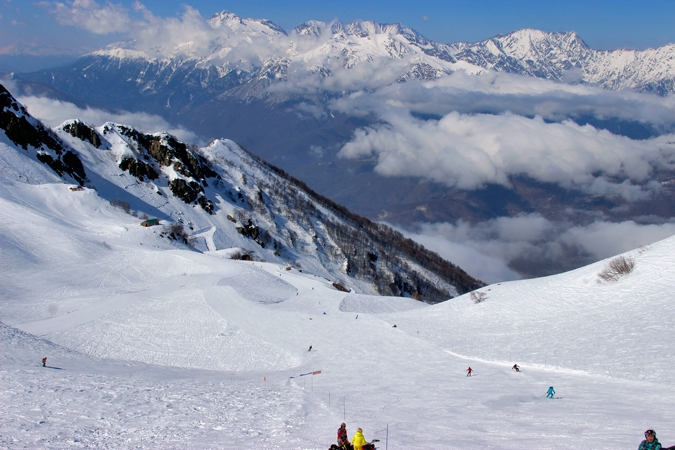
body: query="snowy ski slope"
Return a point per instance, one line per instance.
(154, 345)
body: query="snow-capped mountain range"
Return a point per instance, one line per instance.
(233, 50)
(222, 197)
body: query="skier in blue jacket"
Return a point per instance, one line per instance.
(650, 442)
(550, 392)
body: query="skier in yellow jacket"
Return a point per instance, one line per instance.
(358, 441)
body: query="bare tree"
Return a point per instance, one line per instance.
(478, 297)
(126, 207)
(176, 231)
(617, 268)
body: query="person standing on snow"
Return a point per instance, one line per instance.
(358, 441)
(342, 438)
(469, 371)
(44, 362)
(650, 442)
(550, 392)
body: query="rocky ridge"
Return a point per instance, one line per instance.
(222, 197)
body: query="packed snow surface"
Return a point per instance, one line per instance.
(154, 345)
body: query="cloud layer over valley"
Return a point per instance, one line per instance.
(509, 248)
(470, 151)
(54, 112)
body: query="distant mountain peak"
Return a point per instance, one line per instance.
(233, 21)
(311, 28)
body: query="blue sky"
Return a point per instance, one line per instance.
(30, 27)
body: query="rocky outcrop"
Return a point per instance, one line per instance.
(28, 133)
(165, 150)
(138, 169)
(83, 132)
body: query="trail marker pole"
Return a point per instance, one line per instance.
(386, 443)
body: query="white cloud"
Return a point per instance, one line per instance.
(605, 239)
(55, 112)
(88, 14)
(494, 250)
(470, 151)
(497, 92)
(310, 109)
(375, 73)
(188, 35)
(493, 126)
(317, 151)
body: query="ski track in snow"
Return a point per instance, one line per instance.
(163, 347)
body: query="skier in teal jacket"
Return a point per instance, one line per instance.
(550, 392)
(650, 442)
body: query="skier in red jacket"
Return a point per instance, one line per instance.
(342, 435)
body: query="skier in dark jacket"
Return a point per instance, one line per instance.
(342, 437)
(650, 442)
(516, 368)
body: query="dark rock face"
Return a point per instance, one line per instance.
(73, 166)
(258, 235)
(138, 169)
(206, 204)
(188, 192)
(26, 133)
(83, 133)
(13, 120)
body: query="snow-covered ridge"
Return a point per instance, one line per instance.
(549, 55)
(253, 26)
(224, 197)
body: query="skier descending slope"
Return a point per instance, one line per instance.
(550, 392)
(469, 371)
